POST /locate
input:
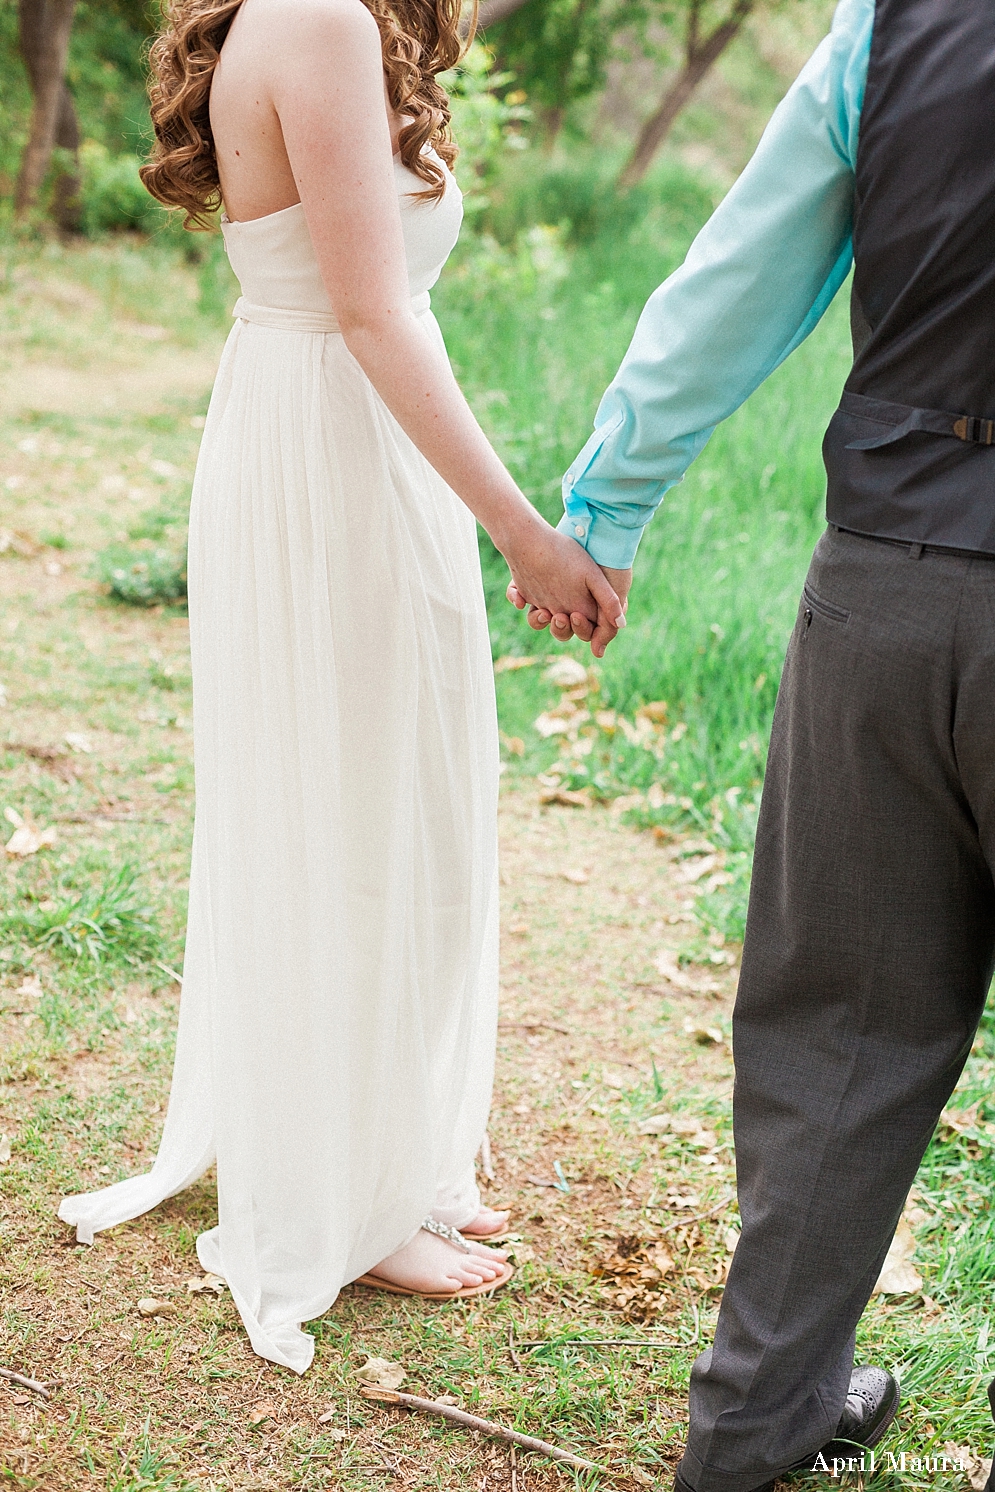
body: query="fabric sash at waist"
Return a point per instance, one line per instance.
(285, 320)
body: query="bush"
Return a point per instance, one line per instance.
(114, 200)
(143, 574)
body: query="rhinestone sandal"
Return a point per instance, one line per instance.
(451, 1235)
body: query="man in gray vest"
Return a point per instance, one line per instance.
(871, 934)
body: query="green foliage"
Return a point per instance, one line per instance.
(106, 920)
(113, 196)
(107, 74)
(144, 574)
(651, 225)
(486, 125)
(558, 51)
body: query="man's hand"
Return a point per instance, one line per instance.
(576, 624)
(554, 576)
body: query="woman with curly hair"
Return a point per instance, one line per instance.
(338, 1015)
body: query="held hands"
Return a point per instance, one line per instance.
(565, 590)
(563, 626)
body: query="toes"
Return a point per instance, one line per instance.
(481, 1251)
(482, 1276)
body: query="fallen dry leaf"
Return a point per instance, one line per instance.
(325, 1419)
(548, 725)
(381, 1373)
(4, 1150)
(959, 1121)
(565, 797)
(655, 710)
(898, 1275)
(704, 1035)
(28, 837)
(626, 802)
(965, 1125)
(977, 1468)
(693, 870)
(667, 964)
(656, 1124)
(205, 1284)
(511, 665)
(149, 1306)
(566, 673)
(693, 1132)
(637, 1272)
(18, 542)
(266, 1409)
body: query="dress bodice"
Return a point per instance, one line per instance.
(275, 262)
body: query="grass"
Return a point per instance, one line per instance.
(105, 920)
(97, 444)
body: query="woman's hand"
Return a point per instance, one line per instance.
(563, 587)
(564, 625)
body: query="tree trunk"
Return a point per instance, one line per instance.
(698, 58)
(67, 205)
(550, 124)
(45, 27)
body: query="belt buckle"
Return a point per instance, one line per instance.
(978, 431)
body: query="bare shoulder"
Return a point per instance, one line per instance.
(313, 21)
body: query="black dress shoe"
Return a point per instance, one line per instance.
(871, 1405)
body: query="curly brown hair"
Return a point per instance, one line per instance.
(419, 38)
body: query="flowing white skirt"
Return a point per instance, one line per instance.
(337, 1022)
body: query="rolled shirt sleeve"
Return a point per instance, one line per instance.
(756, 281)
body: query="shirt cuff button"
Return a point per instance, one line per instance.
(579, 530)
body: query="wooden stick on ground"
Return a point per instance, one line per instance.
(22, 1382)
(685, 1222)
(604, 1342)
(485, 1426)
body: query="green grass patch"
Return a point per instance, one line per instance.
(110, 919)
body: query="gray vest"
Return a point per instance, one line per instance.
(910, 452)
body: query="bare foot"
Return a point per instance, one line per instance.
(486, 1224)
(432, 1266)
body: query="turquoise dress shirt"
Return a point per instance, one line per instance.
(757, 279)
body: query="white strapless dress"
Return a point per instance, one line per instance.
(337, 1022)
